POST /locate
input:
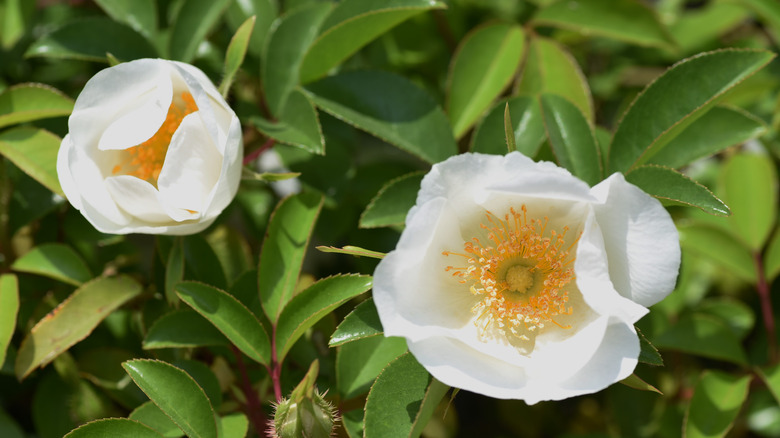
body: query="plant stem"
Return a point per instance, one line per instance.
(253, 408)
(766, 307)
(276, 368)
(252, 156)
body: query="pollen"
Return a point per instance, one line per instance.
(145, 160)
(519, 272)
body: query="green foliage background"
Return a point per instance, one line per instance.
(358, 98)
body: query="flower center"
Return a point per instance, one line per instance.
(145, 161)
(520, 274)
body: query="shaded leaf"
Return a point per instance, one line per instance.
(54, 260)
(718, 245)
(34, 151)
(201, 261)
(236, 52)
(772, 257)
(264, 11)
(195, 20)
(717, 399)
(749, 186)
(28, 102)
(174, 270)
(141, 15)
(771, 376)
(527, 123)
(392, 202)
(484, 64)
(703, 335)
(113, 427)
(737, 315)
(362, 322)
(182, 329)
(668, 184)
(9, 307)
(153, 417)
(647, 352)
(73, 320)
(298, 124)
(359, 363)
(389, 107)
(316, 301)
(633, 381)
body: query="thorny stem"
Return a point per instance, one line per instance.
(252, 156)
(276, 368)
(766, 307)
(253, 408)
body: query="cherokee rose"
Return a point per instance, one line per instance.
(514, 279)
(152, 148)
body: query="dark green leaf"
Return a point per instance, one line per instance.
(153, 417)
(182, 329)
(236, 52)
(232, 251)
(716, 130)
(113, 427)
(89, 39)
(283, 249)
(359, 363)
(676, 99)
(719, 246)
(141, 15)
(389, 107)
(485, 63)
(647, 352)
(771, 376)
(177, 394)
(703, 335)
(717, 399)
(34, 151)
(54, 260)
(363, 322)
(204, 377)
(390, 205)
(772, 257)
(230, 317)
(15, 19)
(202, 262)
(697, 27)
(527, 123)
(668, 184)
(9, 307)
(28, 102)
(193, 23)
(316, 301)
(174, 270)
(549, 68)
(352, 25)
(298, 125)
(571, 137)
(284, 51)
(73, 320)
(625, 20)
(9, 428)
(401, 400)
(737, 315)
(749, 186)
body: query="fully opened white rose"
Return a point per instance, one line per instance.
(152, 148)
(514, 279)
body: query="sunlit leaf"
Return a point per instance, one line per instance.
(528, 125)
(359, 363)
(54, 260)
(152, 416)
(717, 399)
(633, 381)
(670, 185)
(298, 124)
(9, 307)
(749, 184)
(114, 427)
(182, 329)
(264, 11)
(34, 151)
(392, 202)
(141, 15)
(363, 322)
(28, 102)
(718, 245)
(236, 52)
(352, 250)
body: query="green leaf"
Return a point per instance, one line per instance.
(113, 427)
(182, 329)
(177, 394)
(247, 174)
(668, 184)
(716, 130)
(236, 52)
(527, 123)
(624, 20)
(401, 400)
(141, 15)
(737, 315)
(174, 270)
(234, 425)
(771, 376)
(230, 317)
(202, 262)
(152, 416)
(703, 335)
(389, 107)
(647, 352)
(34, 151)
(265, 12)
(749, 186)
(196, 18)
(633, 381)
(16, 17)
(352, 25)
(316, 301)
(392, 202)
(676, 99)
(203, 376)
(352, 250)
(9, 307)
(509, 130)
(717, 399)
(89, 39)
(772, 257)
(572, 138)
(549, 68)
(54, 260)
(768, 11)
(281, 256)
(484, 64)
(9, 428)
(697, 27)
(363, 322)
(73, 320)
(359, 363)
(298, 124)
(284, 51)
(718, 245)
(30, 101)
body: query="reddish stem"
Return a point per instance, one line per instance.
(766, 307)
(276, 369)
(252, 156)
(253, 408)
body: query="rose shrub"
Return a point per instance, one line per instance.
(152, 148)
(514, 279)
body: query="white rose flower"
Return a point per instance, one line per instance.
(152, 148)
(514, 279)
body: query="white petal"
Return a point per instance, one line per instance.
(63, 173)
(191, 170)
(640, 238)
(137, 197)
(216, 113)
(118, 91)
(230, 174)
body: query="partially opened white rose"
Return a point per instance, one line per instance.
(514, 279)
(152, 148)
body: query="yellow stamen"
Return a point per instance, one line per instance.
(145, 161)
